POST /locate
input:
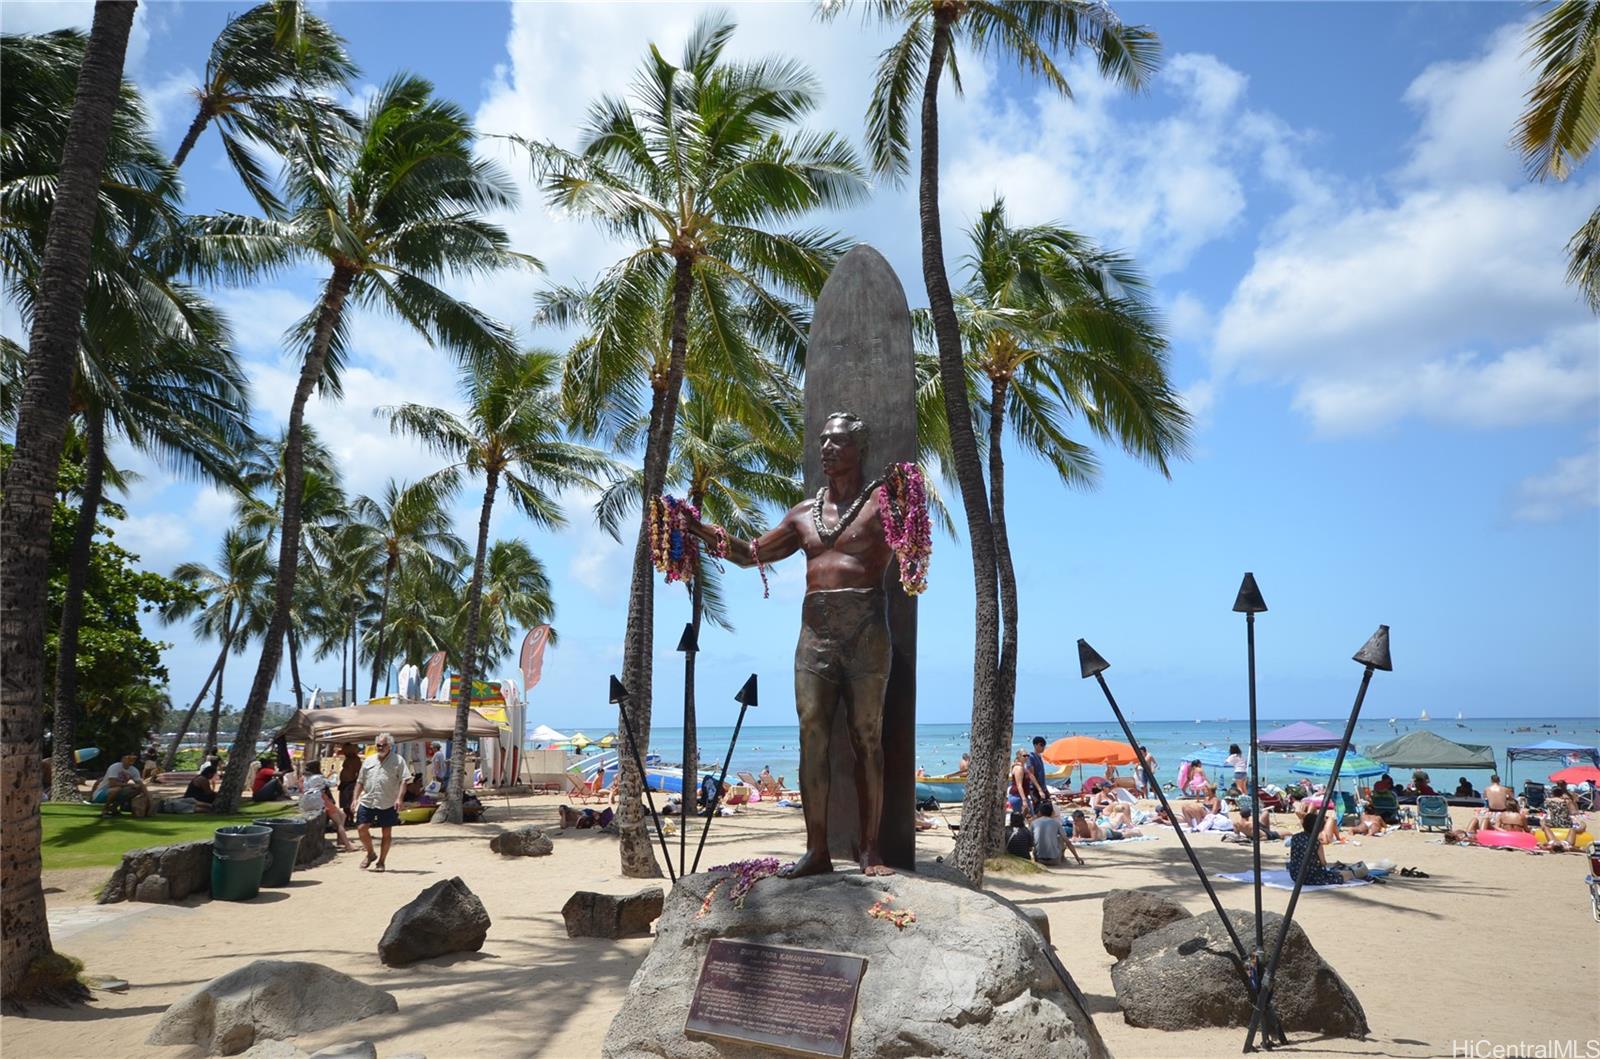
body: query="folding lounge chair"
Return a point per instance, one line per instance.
(1386, 805)
(1350, 813)
(1533, 795)
(1433, 812)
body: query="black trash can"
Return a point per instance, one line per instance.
(238, 857)
(286, 835)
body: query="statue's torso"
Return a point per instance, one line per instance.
(857, 558)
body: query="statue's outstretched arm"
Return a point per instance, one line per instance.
(780, 542)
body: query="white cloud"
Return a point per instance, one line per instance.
(171, 103)
(1467, 111)
(44, 16)
(1571, 486)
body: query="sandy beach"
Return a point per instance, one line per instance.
(1495, 946)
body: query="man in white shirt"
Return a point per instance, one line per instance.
(124, 786)
(380, 786)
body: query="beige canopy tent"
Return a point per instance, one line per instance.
(405, 721)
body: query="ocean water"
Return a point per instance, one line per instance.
(939, 746)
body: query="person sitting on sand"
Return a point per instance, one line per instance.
(1464, 789)
(1019, 837)
(1561, 810)
(1419, 783)
(1496, 794)
(583, 819)
(1049, 839)
(1370, 824)
(965, 766)
(1302, 846)
(1197, 814)
(1306, 809)
(1511, 819)
(1085, 829)
(203, 788)
(1194, 782)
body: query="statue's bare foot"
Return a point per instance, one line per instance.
(810, 863)
(872, 864)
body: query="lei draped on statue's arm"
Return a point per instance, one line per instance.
(676, 535)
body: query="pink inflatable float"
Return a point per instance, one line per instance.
(1518, 839)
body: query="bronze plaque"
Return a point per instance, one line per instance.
(795, 1000)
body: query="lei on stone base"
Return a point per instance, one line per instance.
(900, 917)
(903, 509)
(746, 873)
(673, 549)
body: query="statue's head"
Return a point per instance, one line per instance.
(844, 442)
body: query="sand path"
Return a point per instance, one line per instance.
(1496, 945)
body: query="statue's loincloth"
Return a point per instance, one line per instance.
(844, 634)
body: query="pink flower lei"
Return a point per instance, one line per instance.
(903, 509)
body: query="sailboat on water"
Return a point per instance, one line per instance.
(1424, 716)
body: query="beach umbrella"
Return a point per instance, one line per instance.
(606, 742)
(545, 734)
(1576, 774)
(1320, 766)
(1087, 750)
(580, 741)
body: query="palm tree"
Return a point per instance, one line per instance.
(259, 65)
(516, 593)
(423, 607)
(695, 172)
(1055, 328)
(412, 525)
(390, 211)
(732, 474)
(1028, 32)
(152, 366)
(341, 587)
(1562, 120)
(512, 430)
(233, 601)
(29, 488)
(322, 509)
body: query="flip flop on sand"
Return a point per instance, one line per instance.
(368, 862)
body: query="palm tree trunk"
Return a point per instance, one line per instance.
(458, 748)
(244, 741)
(63, 768)
(201, 119)
(294, 669)
(984, 786)
(638, 859)
(194, 707)
(355, 654)
(29, 491)
(216, 710)
(383, 627)
(1006, 684)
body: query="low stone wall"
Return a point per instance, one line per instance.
(171, 873)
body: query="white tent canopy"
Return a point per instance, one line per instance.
(545, 734)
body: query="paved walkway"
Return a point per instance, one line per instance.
(74, 919)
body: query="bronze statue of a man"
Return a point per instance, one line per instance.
(844, 650)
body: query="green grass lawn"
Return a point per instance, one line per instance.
(77, 836)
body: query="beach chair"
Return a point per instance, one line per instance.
(1533, 795)
(586, 792)
(1386, 805)
(1433, 812)
(1350, 813)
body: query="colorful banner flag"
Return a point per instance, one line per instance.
(435, 674)
(532, 662)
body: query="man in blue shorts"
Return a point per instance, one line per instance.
(380, 785)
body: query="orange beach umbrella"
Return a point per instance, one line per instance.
(1087, 750)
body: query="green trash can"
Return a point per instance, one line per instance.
(238, 857)
(285, 848)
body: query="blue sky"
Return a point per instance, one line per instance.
(1396, 394)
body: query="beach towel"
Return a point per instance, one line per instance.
(1115, 841)
(1280, 879)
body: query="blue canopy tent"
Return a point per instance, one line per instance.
(1551, 750)
(1301, 735)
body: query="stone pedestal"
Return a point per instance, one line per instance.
(970, 977)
